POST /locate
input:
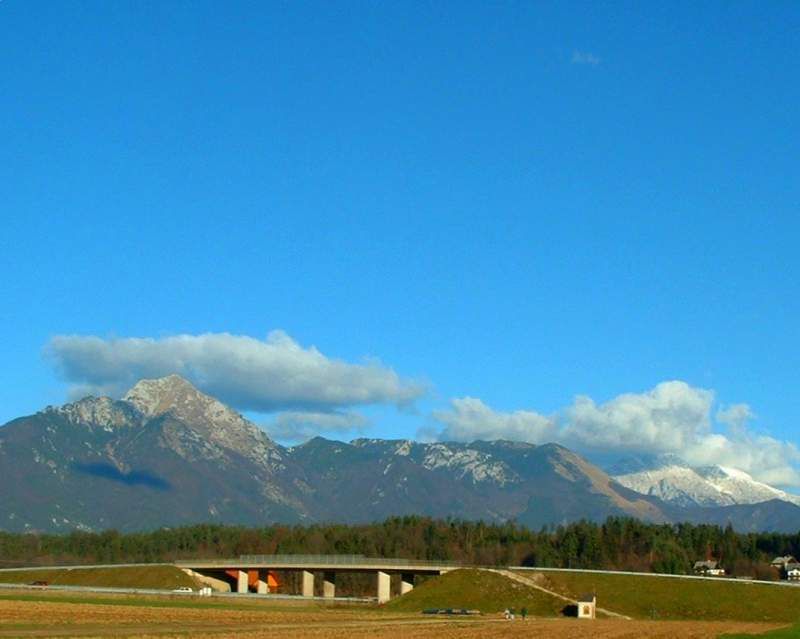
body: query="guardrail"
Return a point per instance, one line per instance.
(276, 561)
(791, 584)
(336, 560)
(82, 567)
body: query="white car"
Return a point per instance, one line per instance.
(183, 589)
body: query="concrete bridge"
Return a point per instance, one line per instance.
(258, 573)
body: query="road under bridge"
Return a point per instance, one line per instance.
(258, 573)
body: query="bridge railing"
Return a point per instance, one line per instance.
(338, 560)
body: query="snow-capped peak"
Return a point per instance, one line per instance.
(740, 484)
(673, 480)
(723, 471)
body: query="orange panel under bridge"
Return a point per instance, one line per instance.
(252, 578)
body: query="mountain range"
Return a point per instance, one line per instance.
(673, 480)
(166, 454)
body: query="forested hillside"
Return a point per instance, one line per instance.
(619, 543)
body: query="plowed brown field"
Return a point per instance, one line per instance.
(19, 618)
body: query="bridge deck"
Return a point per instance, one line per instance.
(335, 564)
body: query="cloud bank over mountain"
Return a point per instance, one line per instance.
(672, 417)
(664, 419)
(469, 419)
(250, 374)
(308, 393)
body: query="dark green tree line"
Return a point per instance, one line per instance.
(618, 543)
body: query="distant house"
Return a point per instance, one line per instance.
(709, 568)
(587, 605)
(782, 562)
(788, 566)
(792, 571)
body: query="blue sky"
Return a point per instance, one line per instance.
(515, 203)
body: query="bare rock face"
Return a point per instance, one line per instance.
(208, 417)
(101, 412)
(460, 460)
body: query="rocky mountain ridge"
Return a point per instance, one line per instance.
(167, 454)
(209, 417)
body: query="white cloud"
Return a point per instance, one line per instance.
(672, 417)
(469, 419)
(585, 57)
(735, 416)
(667, 418)
(765, 458)
(296, 426)
(245, 372)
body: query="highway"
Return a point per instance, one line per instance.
(174, 593)
(790, 584)
(357, 563)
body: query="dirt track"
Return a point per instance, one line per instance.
(61, 619)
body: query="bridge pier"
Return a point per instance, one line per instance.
(262, 585)
(384, 586)
(329, 584)
(406, 582)
(242, 581)
(308, 583)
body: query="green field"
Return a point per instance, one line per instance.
(478, 590)
(156, 576)
(664, 598)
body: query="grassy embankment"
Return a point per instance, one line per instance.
(639, 597)
(160, 577)
(671, 598)
(478, 590)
